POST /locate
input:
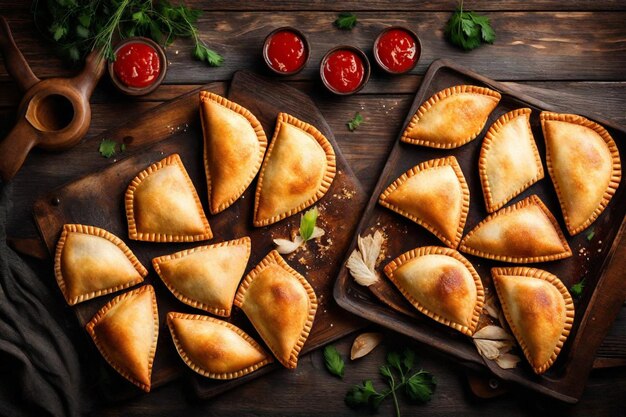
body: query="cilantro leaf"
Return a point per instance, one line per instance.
(355, 122)
(420, 386)
(346, 21)
(333, 361)
(577, 289)
(393, 359)
(202, 53)
(363, 395)
(590, 235)
(307, 223)
(409, 359)
(107, 148)
(467, 29)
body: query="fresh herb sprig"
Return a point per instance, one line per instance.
(346, 21)
(307, 223)
(333, 361)
(108, 147)
(468, 30)
(577, 289)
(78, 27)
(355, 122)
(400, 375)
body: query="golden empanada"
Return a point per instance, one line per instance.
(206, 277)
(90, 262)
(125, 332)
(162, 205)
(509, 160)
(521, 233)
(539, 310)
(433, 194)
(452, 117)
(297, 171)
(584, 164)
(441, 284)
(281, 305)
(234, 145)
(214, 348)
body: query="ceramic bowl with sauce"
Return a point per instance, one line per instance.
(345, 70)
(397, 50)
(139, 67)
(286, 51)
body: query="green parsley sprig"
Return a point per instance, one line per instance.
(467, 29)
(577, 289)
(346, 21)
(333, 361)
(355, 122)
(108, 147)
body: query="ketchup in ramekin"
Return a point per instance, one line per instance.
(139, 67)
(397, 50)
(345, 70)
(285, 51)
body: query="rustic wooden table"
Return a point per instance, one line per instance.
(571, 54)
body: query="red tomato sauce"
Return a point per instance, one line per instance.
(286, 51)
(396, 50)
(137, 65)
(344, 71)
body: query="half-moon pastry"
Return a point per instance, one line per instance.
(434, 195)
(206, 277)
(234, 145)
(125, 332)
(90, 262)
(281, 305)
(215, 348)
(440, 283)
(509, 160)
(539, 310)
(584, 165)
(162, 205)
(452, 117)
(522, 233)
(297, 171)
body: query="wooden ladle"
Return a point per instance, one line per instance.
(53, 114)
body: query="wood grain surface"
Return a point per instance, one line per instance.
(571, 52)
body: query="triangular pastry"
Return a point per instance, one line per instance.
(281, 305)
(215, 348)
(451, 117)
(90, 262)
(234, 145)
(206, 277)
(162, 205)
(297, 171)
(433, 194)
(522, 233)
(509, 160)
(125, 332)
(440, 283)
(539, 310)
(584, 164)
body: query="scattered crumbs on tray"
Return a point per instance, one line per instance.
(344, 194)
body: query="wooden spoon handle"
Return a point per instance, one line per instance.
(14, 61)
(15, 147)
(86, 81)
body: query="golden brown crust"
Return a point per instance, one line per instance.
(327, 179)
(490, 137)
(392, 266)
(274, 258)
(616, 173)
(93, 231)
(99, 344)
(258, 129)
(156, 263)
(569, 309)
(198, 368)
(441, 95)
(465, 198)
(135, 234)
(533, 200)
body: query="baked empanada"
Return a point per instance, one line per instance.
(281, 305)
(509, 160)
(162, 205)
(90, 262)
(522, 233)
(297, 171)
(214, 348)
(206, 277)
(441, 284)
(234, 145)
(584, 164)
(433, 194)
(539, 310)
(125, 332)
(452, 117)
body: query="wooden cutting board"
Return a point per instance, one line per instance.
(174, 127)
(598, 258)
